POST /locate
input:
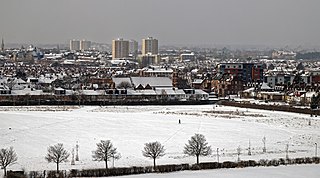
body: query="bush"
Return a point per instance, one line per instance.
(169, 168)
(249, 163)
(229, 164)
(195, 167)
(316, 160)
(282, 161)
(300, 161)
(263, 162)
(210, 165)
(273, 162)
(16, 174)
(35, 174)
(53, 174)
(308, 160)
(252, 163)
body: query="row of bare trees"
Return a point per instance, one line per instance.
(105, 151)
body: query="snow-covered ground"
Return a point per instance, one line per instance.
(309, 171)
(30, 130)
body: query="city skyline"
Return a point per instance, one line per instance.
(245, 22)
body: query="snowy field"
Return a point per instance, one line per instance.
(30, 130)
(299, 171)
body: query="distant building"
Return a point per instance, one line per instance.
(2, 45)
(226, 84)
(148, 59)
(187, 56)
(85, 45)
(247, 72)
(157, 72)
(149, 46)
(74, 45)
(133, 47)
(283, 55)
(120, 48)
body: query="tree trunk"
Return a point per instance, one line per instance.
(5, 171)
(58, 167)
(106, 164)
(154, 163)
(197, 159)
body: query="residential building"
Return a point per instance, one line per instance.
(74, 45)
(85, 45)
(248, 72)
(187, 56)
(120, 48)
(133, 47)
(149, 46)
(226, 84)
(2, 45)
(148, 59)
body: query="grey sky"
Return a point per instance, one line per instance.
(270, 22)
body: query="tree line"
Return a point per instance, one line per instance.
(105, 151)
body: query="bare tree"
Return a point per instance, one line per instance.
(57, 154)
(124, 84)
(104, 152)
(7, 158)
(153, 150)
(197, 146)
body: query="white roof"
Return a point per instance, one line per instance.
(152, 81)
(26, 91)
(141, 92)
(198, 81)
(92, 92)
(265, 87)
(249, 90)
(170, 91)
(117, 81)
(200, 92)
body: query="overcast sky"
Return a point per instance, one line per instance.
(250, 22)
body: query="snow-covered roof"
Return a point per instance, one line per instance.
(152, 81)
(19, 80)
(249, 90)
(265, 86)
(117, 81)
(309, 94)
(200, 92)
(141, 92)
(198, 81)
(26, 91)
(169, 91)
(59, 89)
(92, 92)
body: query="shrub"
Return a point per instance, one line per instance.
(16, 174)
(210, 165)
(229, 164)
(195, 167)
(316, 160)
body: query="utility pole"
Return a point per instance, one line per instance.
(249, 149)
(77, 151)
(72, 160)
(287, 151)
(264, 144)
(218, 154)
(239, 152)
